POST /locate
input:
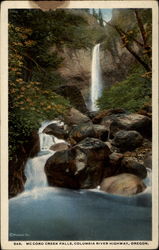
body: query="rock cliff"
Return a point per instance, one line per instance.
(116, 60)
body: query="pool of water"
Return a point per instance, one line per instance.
(62, 214)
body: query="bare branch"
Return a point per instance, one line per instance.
(137, 57)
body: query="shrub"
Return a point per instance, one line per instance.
(130, 94)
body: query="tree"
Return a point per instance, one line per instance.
(100, 18)
(128, 38)
(94, 13)
(49, 29)
(133, 28)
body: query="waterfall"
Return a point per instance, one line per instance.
(96, 77)
(34, 169)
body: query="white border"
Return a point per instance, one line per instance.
(4, 114)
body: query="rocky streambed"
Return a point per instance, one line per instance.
(97, 182)
(110, 150)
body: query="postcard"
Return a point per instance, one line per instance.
(79, 125)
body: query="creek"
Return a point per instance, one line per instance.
(50, 213)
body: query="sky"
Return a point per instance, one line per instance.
(107, 13)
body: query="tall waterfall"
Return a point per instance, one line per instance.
(96, 77)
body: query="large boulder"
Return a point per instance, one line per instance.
(60, 169)
(58, 131)
(74, 116)
(127, 140)
(134, 121)
(91, 161)
(81, 166)
(81, 131)
(74, 95)
(123, 184)
(119, 164)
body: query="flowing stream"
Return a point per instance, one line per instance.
(96, 77)
(34, 169)
(49, 213)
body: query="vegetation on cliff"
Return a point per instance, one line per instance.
(132, 29)
(131, 94)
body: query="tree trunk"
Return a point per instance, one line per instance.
(141, 27)
(137, 57)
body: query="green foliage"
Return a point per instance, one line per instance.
(130, 94)
(48, 32)
(30, 102)
(34, 45)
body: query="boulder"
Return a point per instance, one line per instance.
(33, 145)
(148, 160)
(58, 131)
(132, 167)
(116, 122)
(114, 164)
(127, 140)
(123, 184)
(60, 169)
(91, 158)
(92, 114)
(101, 132)
(79, 132)
(59, 147)
(82, 166)
(100, 115)
(115, 158)
(112, 147)
(146, 110)
(74, 116)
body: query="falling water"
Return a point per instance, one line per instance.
(96, 78)
(34, 169)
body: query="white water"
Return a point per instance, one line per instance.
(34, 172)
(96, 77)
(34, 169)
(46, 141)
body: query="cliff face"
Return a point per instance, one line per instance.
(76, 66)
(116, 60)
(76, 69)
